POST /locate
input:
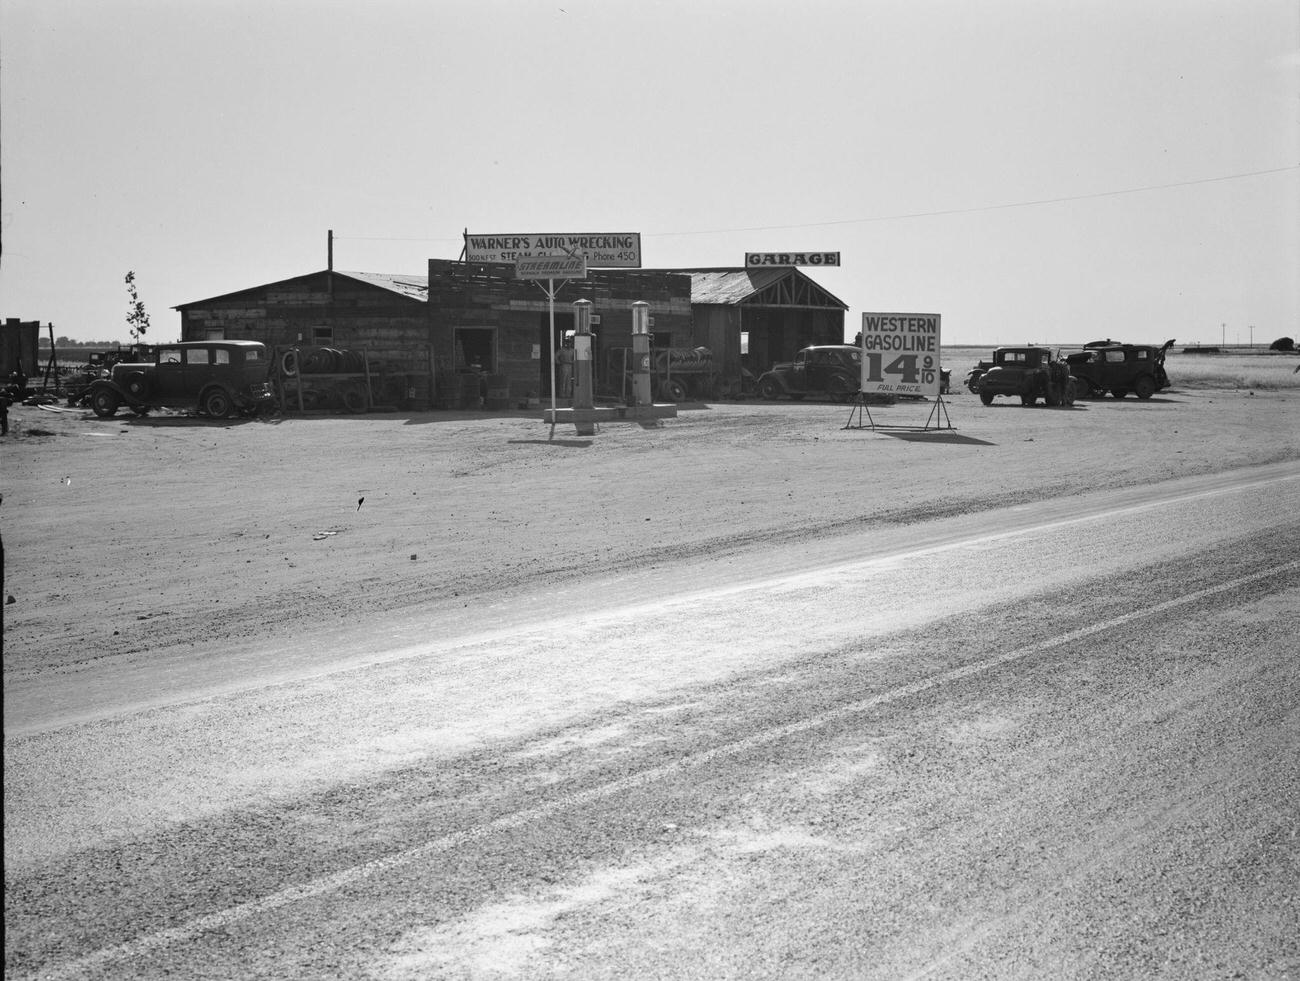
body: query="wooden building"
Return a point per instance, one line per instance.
(477, 319)
(384, 315)
(752, 318)
(483, 318)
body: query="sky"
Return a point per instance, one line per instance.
(1049, 171)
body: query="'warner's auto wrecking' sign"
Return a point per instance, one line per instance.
(609, 249)
(900, 353)
(792, 259)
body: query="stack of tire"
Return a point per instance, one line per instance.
(350, 396)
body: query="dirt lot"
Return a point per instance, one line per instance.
(456, 696)
(128, 535)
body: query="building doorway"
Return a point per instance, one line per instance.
(476, 349)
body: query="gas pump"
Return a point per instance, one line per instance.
(641, 394)
(583, 394)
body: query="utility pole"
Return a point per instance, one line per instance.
(1252, 335)
(1223, 335)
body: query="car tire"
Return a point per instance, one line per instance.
(986, 398)
(1118, 393)
(1028, 399)
(354, 400)
(841, 388)
(105, 403)
(217, 404)
(1144, 387)
(674, 391)
(769, 388)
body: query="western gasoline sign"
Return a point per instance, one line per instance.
(900, 353)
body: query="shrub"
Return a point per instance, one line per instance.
(1282, 344)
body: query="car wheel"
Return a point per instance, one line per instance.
(769, 388)
(1144, 387)
(105, 403)
(354, 400)
(986, 398)
(217, 403)
(674, 390)
(1028, 399)
(840, 388)
(1118, 393)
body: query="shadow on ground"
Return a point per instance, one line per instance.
(939, 436)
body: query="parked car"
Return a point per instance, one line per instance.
(1030, 373)
(975, 374)
(99, 364)
(825, 370)
(1108, 366)
(215, 377)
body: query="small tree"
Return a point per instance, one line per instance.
(1282, 344)
(137, 319)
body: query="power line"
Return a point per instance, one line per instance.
(899, 217)
(988, 207)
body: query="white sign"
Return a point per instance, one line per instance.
(900, 353)
(610, 249)
(551, 267)
(792, 259)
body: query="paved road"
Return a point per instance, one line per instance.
(1056, 740)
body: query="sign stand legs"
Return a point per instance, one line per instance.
(860, 409)
(940, 408)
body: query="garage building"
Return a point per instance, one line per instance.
(477, 319)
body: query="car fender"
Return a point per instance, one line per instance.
(123, 396)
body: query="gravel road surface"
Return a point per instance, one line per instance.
(1056, 739)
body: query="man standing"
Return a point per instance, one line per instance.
(564, 363)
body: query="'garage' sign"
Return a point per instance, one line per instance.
(792, 259)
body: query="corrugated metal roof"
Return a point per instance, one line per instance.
(415, 287)
(736, 284)
(730, 285)
(412, 287)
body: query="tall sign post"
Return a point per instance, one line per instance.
(641, 353)
(551, 268)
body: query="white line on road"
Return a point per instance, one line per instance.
(346, 877)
